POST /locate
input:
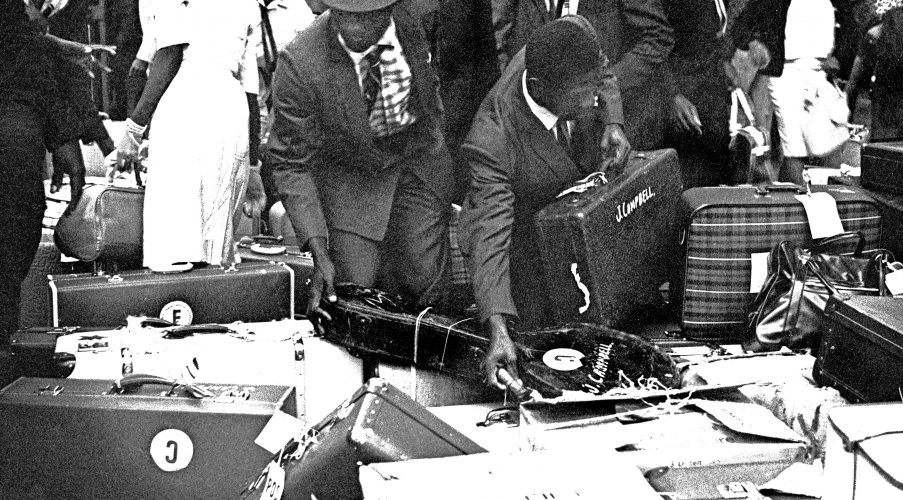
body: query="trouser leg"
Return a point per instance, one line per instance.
(415, 252)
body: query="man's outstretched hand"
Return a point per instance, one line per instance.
(502, 352)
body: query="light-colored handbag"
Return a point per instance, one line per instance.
(824, 126)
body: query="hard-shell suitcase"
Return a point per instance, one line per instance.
(302, 265)
(250, 292)
(725, 226)
(66, 438)
(882, 166)
(862, 349)
(606, 251)
(378, 423)
(33, 351)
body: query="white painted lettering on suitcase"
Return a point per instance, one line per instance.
(172, 450)
(585, 307)
(628, 207)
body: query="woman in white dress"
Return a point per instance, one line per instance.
(198, 157)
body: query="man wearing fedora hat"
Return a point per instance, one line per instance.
(357, 150)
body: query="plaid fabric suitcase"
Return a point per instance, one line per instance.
(726, 225)
(882, 166)
(75, 439)
(862, 349)
(378, 423)
(607, 250)
(253, 291)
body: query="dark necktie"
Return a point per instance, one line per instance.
(564, 137)
(372, 76)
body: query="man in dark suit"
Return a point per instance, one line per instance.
(539, 130)
(699, 90)
(357, 149)
(635, 36)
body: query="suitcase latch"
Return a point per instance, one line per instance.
(50, 391)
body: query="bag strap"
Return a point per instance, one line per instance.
(824, 243)
(269, 40)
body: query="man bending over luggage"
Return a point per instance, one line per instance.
(553, 117)
(357, 151)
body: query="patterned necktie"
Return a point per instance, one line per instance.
(372, 76)
(564, 136)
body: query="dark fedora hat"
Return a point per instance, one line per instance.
(358, 5)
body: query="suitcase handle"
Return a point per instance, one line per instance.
(780, 187)
(136, 380)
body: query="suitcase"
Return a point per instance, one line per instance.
(375, 325)
(882, 166)
(34, 305)
(251, 292)
(33, 351)
(607, 251)
(302, 265)
(891, 207)
(725, 225)
(106, 225)
(377, 423)
(862, 349)
(84, 439)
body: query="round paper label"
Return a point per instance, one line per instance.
(177, 313)
(563, 359)
(172, 450)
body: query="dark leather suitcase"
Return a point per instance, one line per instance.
(607, 251)
(251, 292)
(302, 265)
(882, 166)
(66, 438)
(106, 225)
(724, 226)
(33, 351)
(384, 327)
(862, 350)
(378, 423)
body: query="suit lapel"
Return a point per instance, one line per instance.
(346, 89)
(542, 141)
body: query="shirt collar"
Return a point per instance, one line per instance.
(545, 116)
(390, 38)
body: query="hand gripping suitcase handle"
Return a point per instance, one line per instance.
(137, 380)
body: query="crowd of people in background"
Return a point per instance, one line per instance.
(368, 119)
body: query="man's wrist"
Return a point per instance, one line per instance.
(134, 128)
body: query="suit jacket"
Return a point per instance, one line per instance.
(635, 36)
(467, 66)
(517, 167)
(326, 164)
(763, 20)
(695, 70)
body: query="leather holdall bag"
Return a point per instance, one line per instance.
(105, 225)
(788, 311)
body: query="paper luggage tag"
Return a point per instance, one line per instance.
(280, 429)
(894, 280)
(821, 210)
(275, 482)
(759, 271)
